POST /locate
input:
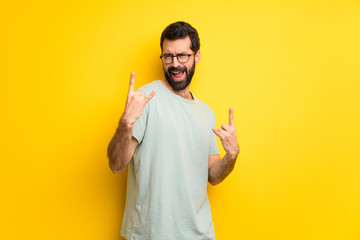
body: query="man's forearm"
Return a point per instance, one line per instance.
(119, 149)
(220, 170)
(122, 145)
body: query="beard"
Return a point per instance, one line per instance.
(179, 85)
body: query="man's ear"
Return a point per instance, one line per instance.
(197, 57)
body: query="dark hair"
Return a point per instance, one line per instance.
(179, 30)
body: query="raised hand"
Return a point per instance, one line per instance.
(227, 135)
(135, 103)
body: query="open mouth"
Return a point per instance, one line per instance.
(178, 75)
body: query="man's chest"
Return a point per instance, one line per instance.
(180, 121)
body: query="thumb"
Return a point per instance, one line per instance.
(217, 133)
(150, 96)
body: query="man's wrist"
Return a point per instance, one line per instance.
(125, 123)
(232, 155)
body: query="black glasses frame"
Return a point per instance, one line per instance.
(177, 56)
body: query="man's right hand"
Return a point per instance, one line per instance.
(135, 103)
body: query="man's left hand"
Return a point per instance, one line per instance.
(227, 135)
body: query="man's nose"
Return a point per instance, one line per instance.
(175, 62)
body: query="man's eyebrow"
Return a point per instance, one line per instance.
(183, 52)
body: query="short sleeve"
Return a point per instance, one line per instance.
(213, 148)
(140, 125)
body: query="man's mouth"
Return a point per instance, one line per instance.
(178, 75)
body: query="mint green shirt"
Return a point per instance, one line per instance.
(168, 174)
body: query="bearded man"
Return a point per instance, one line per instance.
(167, 136)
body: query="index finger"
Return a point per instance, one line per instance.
(132, 82)
(231, 117)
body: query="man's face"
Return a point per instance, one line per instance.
(178, 74)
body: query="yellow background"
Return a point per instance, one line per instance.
(290, 70)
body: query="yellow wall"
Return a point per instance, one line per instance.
(290, 70)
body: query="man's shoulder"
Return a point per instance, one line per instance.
(205, 107)
(148, 88)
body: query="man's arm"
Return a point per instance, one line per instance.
(123, 144)
(219, 168)
(121, 147)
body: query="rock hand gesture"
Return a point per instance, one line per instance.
(135, 103)
(227, 135)
(123, 144)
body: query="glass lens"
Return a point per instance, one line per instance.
(183, 58)
(167, 58)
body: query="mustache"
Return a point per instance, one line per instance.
(178, 69)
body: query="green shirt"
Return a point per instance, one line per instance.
(168, 174)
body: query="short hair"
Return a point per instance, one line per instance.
(180, 30)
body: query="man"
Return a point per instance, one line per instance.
(166, 135)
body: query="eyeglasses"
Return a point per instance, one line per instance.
(182, 57)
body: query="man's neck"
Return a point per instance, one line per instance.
(185, 93)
